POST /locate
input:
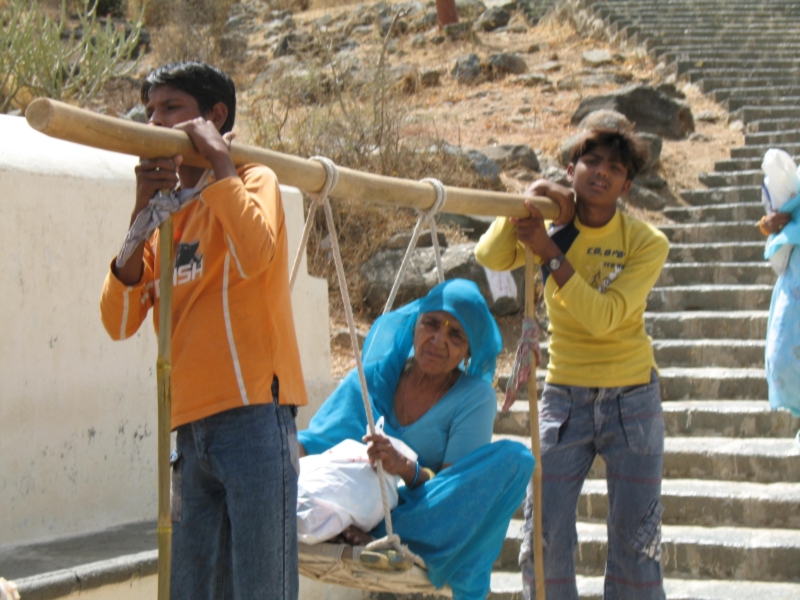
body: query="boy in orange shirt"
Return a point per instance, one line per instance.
(236, 379)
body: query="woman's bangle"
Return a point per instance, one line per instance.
(762, 225)
(430, 473)
(416, 475)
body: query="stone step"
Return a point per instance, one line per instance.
(712, 84)
(723, 195)
(716, 273)
(687, 383)
(761, 93)
(715, 324)
(728, 418)
(719, 213)
(727, 353)
(726, 231)
(741, 164)
(710, 353)
(507, 585)
(736, 103)
(758, 151)
(724, 65)
(754, 460)
(668, 54)
(698, 71)
(780, 124)
(773, 138)
(732, 553)
(689, 418)
(732, 179)
(709, 503)
(756, 113)
(710, 297)
(717, 252)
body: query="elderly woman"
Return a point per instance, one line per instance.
(429, 367)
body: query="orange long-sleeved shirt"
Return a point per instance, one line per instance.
(232, 323)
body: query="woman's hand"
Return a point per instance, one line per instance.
(380, 448)
(775, 222)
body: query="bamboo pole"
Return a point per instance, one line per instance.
(73, 124)
(533, 409)
(164, 376)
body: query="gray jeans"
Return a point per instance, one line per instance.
(625, 426)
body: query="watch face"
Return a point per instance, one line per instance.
(555, 263)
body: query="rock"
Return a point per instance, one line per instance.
(556, 175)
(707, 116)
(597, 58)
(291, 43)
(400, 26)
(532, 79)
(467, 69)
(469, 9)
(549, 66)
(651, 181)
(458, 31)
(508, 5)
(699, 137)
(341, 337)
(606, 118)
(737, 125)
(472, 226)
(485, 167)
(419, 40)
(400, 241)
(512, 155)
(670, 90)
(492, 19)
(504, 63)
(651, 110)
(137, 114)
(232, 45)
(641, 197)
(430, 78)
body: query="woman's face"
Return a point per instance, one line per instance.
(440, 343)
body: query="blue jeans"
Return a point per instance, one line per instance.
(625, 425)
(234, 504)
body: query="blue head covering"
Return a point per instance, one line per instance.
(391, 337)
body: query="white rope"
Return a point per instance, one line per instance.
(331, 179)
(332, 176)
(426, 218)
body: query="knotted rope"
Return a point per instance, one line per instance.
(425, 218)
(331, 177)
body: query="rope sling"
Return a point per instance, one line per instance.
(312, 559)
(80, 126)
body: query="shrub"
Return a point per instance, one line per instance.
(42, 56)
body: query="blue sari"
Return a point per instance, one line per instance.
(457, 521)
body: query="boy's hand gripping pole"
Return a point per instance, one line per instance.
(533, 408)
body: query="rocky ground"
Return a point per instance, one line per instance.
(524, 84)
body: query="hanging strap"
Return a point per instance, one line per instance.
(331, 177)
(425, 218)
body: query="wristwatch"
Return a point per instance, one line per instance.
(554, 264)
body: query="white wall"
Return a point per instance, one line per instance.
(78, 411)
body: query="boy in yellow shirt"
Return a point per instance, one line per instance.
(601, 394)
(236, 379)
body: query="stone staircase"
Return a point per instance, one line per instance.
(731, 486)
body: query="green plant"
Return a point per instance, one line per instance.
(42, 56)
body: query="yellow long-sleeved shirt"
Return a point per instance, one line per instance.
(597, 318)
(232, 323)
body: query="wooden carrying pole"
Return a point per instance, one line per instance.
(77, 125)
(66, 122)
(164, 382)
(536, 448)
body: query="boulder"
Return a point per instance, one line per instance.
(472, 226)
(503, 291)
(469, 9)
(485, 167)
(533, 79)
(467, 69)
(507, 62)
(400, 241)
(641, 197)
(492, 19)
(605, 118)
(651, 110)
(597, 58)
(507, 156)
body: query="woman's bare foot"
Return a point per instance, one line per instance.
(353, 536)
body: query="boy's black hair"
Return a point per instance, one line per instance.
(206, 84)
(625, 147)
